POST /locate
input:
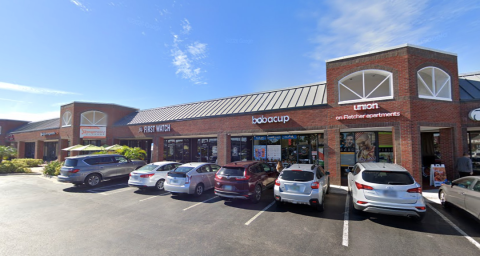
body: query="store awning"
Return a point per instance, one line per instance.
(88, 148)
(73, 147)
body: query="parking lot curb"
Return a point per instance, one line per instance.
(20, 173)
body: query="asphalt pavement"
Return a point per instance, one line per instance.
(40, 216)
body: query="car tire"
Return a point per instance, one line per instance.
(328, 187)
(160, 185)
(443, 199)
(257, 196)
(420, 218)
(199, 190)
(93, 180)
(320, 207)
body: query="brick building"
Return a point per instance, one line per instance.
(405, 104)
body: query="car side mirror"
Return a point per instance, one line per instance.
(347, 170)
(448, 183)
(327, 173)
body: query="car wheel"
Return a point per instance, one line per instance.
(257, 195)
(443, 199)
(420, 218)
(93, 180)
(199, 190)
(328, 187)
(159, 185)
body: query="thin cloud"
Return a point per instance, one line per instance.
(19, 101)
(29, 89)
(80, 5)
(197, 50)
(186, 26)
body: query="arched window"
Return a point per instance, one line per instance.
(365, 85)
(93, 118)
(434, 83)
(67, 119)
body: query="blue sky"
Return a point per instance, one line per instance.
(148, 54)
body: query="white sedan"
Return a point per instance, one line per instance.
(152, 175)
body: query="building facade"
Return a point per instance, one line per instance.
(405, 104)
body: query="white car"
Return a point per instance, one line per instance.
(302, 184)
(191, 178)
(385, 189)
(151, 175)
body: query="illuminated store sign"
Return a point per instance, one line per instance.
(365, 106)
(367, 116)
(47, 133)
(154, 128)
(272, 119)
(474, 114)
(93, 132)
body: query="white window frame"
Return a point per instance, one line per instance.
(67, 119)
(423, 83)
(365, 98)
(94, 122)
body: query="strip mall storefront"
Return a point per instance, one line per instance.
(404, 105)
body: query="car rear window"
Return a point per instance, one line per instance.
(71, 162)
(386, 177)
(296, 176)
(147, 167)
(183, 169)
(231, 171)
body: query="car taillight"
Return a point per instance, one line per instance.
(296, 170)
(315, 185)
(147, 175)
(361, 202)
(415, 190)
(130, 174)
(277, 182)
(421, 207)
(75, 170)
(246, 176)
(361, 186)
(187, 179)
(217, 177)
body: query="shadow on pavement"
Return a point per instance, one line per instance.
(104, 186)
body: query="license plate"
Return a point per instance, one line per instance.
(228, 187)
(135, 177)
(390, 193)
(294, 188)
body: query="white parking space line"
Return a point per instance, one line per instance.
(258, 214)
(106, 193)
(345, 221)
(200, 203)
(106, 188)
(148, 198)
(471, 240)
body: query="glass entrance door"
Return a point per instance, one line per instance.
(50, 151)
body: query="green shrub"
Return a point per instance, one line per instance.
(52, 168)
(11, 167)
(29, 162)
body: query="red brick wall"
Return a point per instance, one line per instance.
(8, 125)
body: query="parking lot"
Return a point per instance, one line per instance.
(39, 216)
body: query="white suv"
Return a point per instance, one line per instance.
(302, 184)
(386, 189)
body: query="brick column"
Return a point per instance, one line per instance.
(21, 149)
(224, 148)
(61, 154)
(447, 151)
(331, 151)
(39, 149)
(157, 152)
(397, 151)
(410, 147)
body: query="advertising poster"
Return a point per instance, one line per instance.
(365, 142)
(439, 175)
(274, 153)
(260, 152)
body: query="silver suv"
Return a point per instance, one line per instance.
(91, 169)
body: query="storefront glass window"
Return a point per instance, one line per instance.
(304, 149)
(289, 149)
(260, 148)
(474, 138)
(434, 83)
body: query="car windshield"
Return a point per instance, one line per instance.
(183, 169)
(71, 162)
(386, 177)
(147, 167)
(296, 176)
(231, 171)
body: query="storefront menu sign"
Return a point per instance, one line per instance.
(47, 133)
(274, 152)
(154, 128)
(93, 132)
(271, 119)
(474, 114)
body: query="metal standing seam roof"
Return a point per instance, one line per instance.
(469, 86)
(287, 98)
(38, 126)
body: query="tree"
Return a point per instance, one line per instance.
(132, 153)
(8, 152)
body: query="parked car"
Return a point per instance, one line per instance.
(191, 178)
(151, 175)
(302, 184)
(92, 169)
(385, 189)
(463, 193)
(244, 180)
